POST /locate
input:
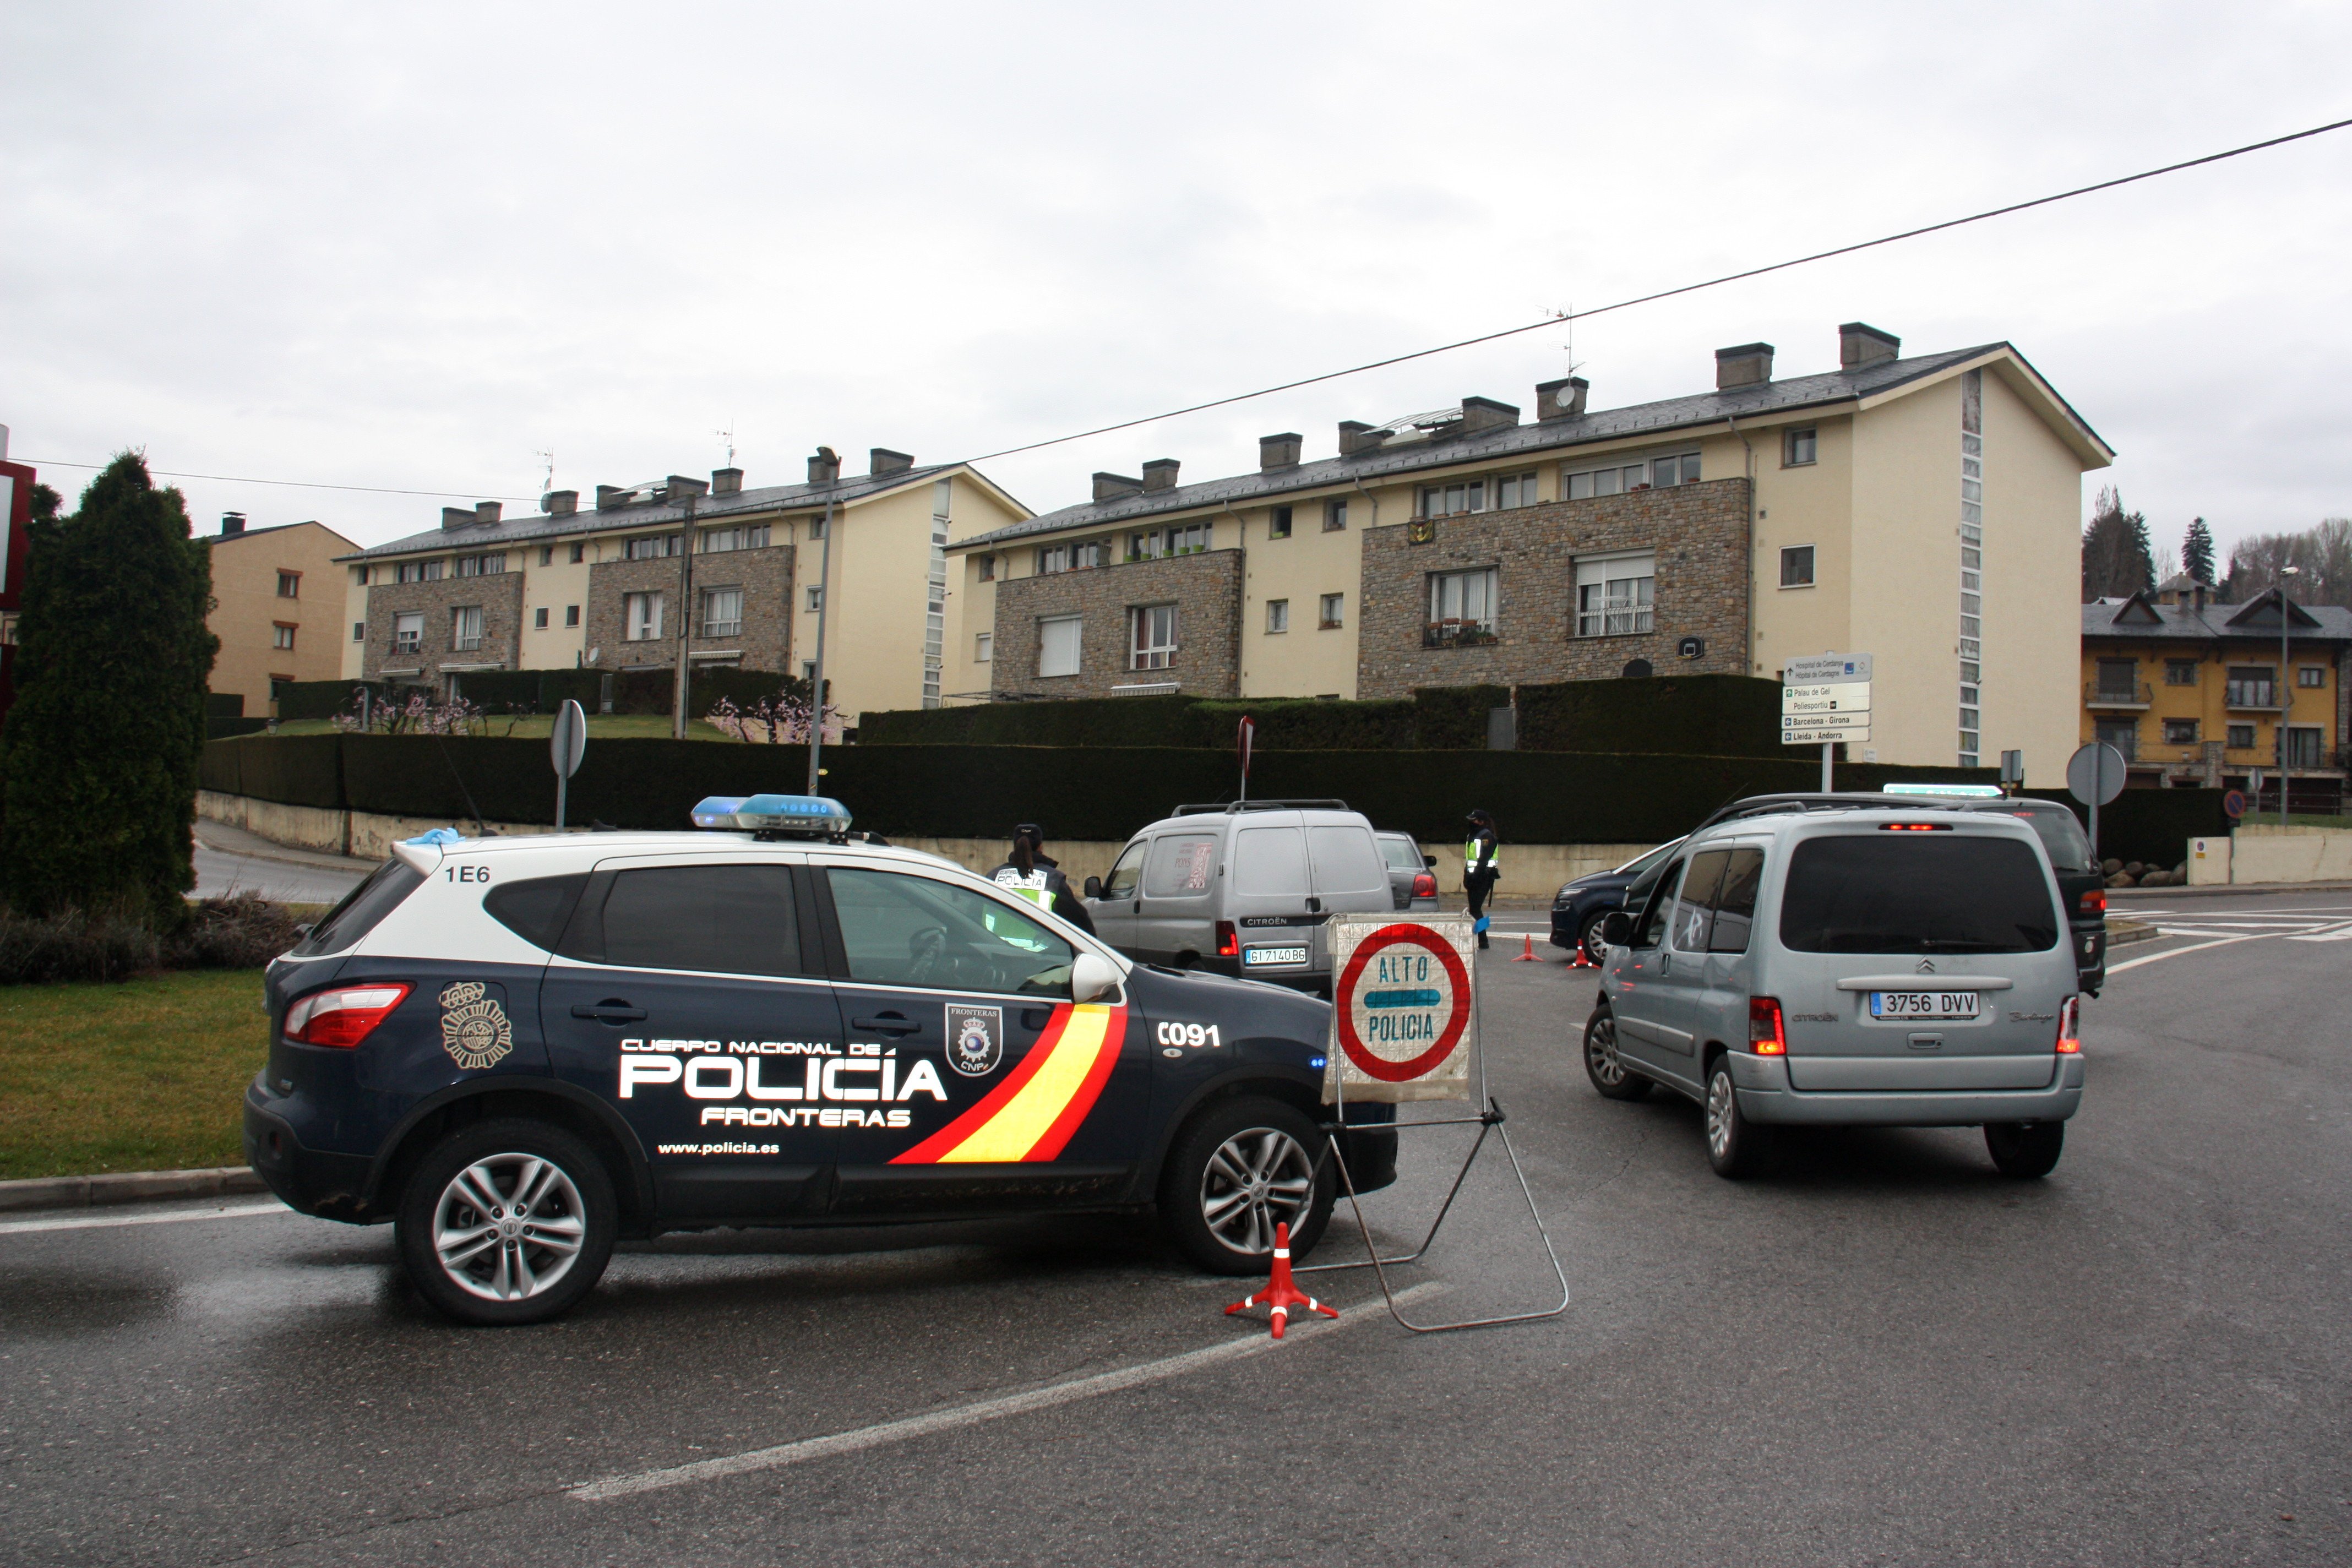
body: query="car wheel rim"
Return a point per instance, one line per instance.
(508, 1227)
(1255, 1178)
(1719, 1111)
(1594, 948)
(1601, 1053)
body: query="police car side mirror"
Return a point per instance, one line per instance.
(1617, 929)
(1092, 976)
(1094, 886)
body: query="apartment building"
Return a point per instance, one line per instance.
(614, 587)
(2193, 691)
(1924, 509)
(278, 608)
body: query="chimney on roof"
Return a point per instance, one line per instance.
(1749, 364)
(880, 460)
(1861, 346)
(825, 469)
(727, 481)
(487, 511)
(1278, 451)
(679, 486)
(1563, 399)
(232, 523)
(559, 503)
(1159, 474)
(1355, 437)
(457, 517)
(610, 496)
(1486, 413)
(1111, 487)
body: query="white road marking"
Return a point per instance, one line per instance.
(2333, 933)
(979, 1411)
(2114, 969)
(102, 1222)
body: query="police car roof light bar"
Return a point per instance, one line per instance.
(774, 816)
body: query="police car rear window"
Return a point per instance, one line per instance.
(362, 908)
(1905, 893)
(535, 909)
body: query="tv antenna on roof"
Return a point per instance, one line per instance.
(548, 482)
(727, 436)
(1568, 314)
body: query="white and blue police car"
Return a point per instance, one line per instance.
(518, 1050)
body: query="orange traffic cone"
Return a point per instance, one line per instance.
(1279, 1293)
(1527, 952)
(1583, 960)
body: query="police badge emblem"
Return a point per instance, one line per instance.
(975, 1040)
(473, 1029)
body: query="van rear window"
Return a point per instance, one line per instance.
(1905, 893)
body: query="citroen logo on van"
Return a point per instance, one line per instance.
(1927, 966)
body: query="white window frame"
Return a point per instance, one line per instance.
(642, 616)
(1331, 613)
(409, 632)
(1801, 449)
(1278, 616)
(1513, 490)
(1461, 606)
(1335, 515)
(1051, 631)
(983, 647)
(1624, 476)
(1278, 521)
(714, 625)
(1454, 497)
(650, 547)
(1812, 565)
(359, 631)
(1604, 610)
(812, 598)
(539, 618)
(465, 628)
(987, 568)
(1152, 637)
(289, 584)
(571, 614)
(282, 638)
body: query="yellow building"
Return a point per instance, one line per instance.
(1925, 511)
(613, 588)
(278, 608)
(2191, 691)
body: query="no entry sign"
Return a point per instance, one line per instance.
(1402, 1009)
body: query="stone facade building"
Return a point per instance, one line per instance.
(742, 610)
(1101, 609)
(427, 632)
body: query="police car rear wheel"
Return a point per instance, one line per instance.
(507, 1222)
(1241, 1167)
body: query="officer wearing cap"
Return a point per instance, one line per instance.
(1030, 873)
(1482, 866)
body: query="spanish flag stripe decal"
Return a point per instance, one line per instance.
(1032, 1115)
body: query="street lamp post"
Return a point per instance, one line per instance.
(2286, 691)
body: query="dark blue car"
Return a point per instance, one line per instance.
(1578, 907)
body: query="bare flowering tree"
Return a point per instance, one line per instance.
(781, 718)
(421, 714)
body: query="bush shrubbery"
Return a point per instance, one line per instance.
(240, 932)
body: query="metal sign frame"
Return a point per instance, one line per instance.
(1490, 1120)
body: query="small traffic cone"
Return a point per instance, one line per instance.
(1279, 1293)
(1583, 960)
(1527, 952)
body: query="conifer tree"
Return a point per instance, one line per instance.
(2118, 558)
(100, 752)
(2196, 551)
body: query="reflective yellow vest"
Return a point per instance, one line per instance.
(1470, 858)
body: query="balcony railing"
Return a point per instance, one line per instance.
(1456, 634)
(2100, 694)
(2126, 742)
(2252, 696)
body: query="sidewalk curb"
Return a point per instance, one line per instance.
(126, 1187)
(2229, 889)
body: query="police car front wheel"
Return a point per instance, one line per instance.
(1238, 1169)
(507, 1222)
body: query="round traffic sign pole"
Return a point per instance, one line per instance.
(2094, 775)
(567, 742)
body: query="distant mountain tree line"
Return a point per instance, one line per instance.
(2119, 558)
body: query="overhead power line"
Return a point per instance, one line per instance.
(1670, 293)
(1551, 320)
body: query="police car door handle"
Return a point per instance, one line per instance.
(612, 1010)
(888, 1023)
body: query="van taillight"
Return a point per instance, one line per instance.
(343, 1016)
(1424, 886)
(1229, 943)
(2093, 903)
(2070, 1027)
(1766, 1037)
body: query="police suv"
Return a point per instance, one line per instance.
(519, 1050)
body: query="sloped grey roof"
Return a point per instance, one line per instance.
(1443, 450)
(648, 514)
(2181, 623)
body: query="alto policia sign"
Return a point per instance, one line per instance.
(1403, 1009)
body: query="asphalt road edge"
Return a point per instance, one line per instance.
(126, 1187)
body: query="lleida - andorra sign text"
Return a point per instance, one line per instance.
(1402, 1009)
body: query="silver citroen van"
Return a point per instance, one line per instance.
(1241, 888)
(1853, 963)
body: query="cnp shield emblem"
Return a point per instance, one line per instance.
(474, 1027)
(975, 1039)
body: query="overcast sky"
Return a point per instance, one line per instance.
(416, 246)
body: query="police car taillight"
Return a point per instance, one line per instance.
(813, 814)
(343, 1016)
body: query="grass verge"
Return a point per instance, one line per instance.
(142, 1075)
(535, 727)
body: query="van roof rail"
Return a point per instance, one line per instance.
(1220, 808)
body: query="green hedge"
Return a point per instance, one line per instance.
(217, 728)
(224, 704)
(2151, 824)
(1284, 723)
(1703, 715)
(1454, 718)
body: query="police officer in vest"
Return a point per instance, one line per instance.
(1030, 873)
(1482, 866)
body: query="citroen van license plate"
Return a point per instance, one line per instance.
(1923, 1003)
(1254, 957)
